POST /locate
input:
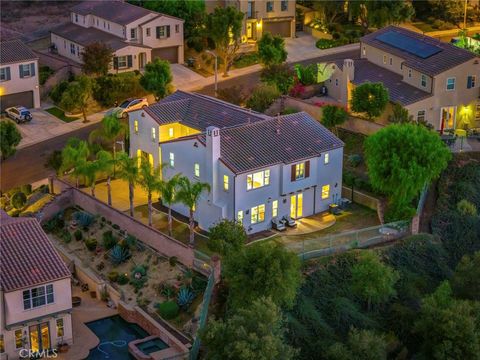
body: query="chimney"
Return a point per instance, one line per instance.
(348, 75)
(349, 68)
(211, 163)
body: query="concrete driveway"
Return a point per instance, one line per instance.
(183, 76)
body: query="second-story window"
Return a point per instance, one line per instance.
(384, 59)
(170, 132)
(423, 81)
(364, 50)
(471, 81)
(135, 126)
(72, 48)
(38, 297)
(326, 159)
(196, 170)
(177, 28)
(269, 5)
(172, 160)
(258, 179)
(25, 70)
(300, 171)
(147, 31)
(76, 18)
(133, 33)
(225, 182)
(391, 61)
(409, 73)
(284, 5)
(163, 31)
(154, 135)
(5, 74)
(450, 84)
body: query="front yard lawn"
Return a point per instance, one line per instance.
(60, 114)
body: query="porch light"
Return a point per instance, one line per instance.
(259, 25)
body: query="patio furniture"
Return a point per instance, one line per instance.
(76, 301)
(334, 209)
(279, 225)
(289, 221)
(345, 203)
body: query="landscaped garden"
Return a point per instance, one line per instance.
(160, 285)
(24, 201)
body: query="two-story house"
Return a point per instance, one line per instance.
(35, 291)
(136, 35)
(259, 167)
(18, 75)
(276, 17)
(435, 81)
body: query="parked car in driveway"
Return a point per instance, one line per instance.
(121, 111)
(19, 114)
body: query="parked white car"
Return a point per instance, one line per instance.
(121, 111)
(19, 114)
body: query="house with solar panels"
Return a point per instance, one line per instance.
(260, 168)
(436, 82)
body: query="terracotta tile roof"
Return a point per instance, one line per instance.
(200, 111)
(282, 139)
(28, 258)
(15, 51)
(86, 36)
(446, 58)
(399, 91)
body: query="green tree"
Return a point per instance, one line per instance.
(331, 10)
(253, 332)
(361, 345)
(167, 189)
(96, 58)
(74, 156)
(105, 163)
(281, 76)
(446, 10)
(262, 270)
(400, 115)
(373, 281)
(224, 27)
(226, 235)
(271, 49)
(377, 13)
(449, 328)
(9, 138)
(77, 95)
(157, 78)
(188, 194)
(128, 171)
(262, 97)
(149, 180)
(54, 161)
(333, 116)
(369, 98)
(466, 279)
(405, 154)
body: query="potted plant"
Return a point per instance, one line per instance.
(62, 347)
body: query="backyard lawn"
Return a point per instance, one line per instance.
(60, 114)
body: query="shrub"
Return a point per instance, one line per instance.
(185, 297)
(111, 88)
(108, 240)
(83, 218)
(297, 90)
(168, 310)
(166, 290)
(66, 236)
(290, 110)
(307, 75)
(18, 200)
(325, 43)
(139, 276)
(246, 59)
(57, 91)
(173, 260)
(119, 255)
(354, 160)
(122, 279)
(91, 244)
(116, 226)
(131, 241)
(233, 94)
(281, 76)
(226, 235)
(78, 234)
(112, 276)
(26, 189)
(44, 74)
(465, 207)
(262, 97)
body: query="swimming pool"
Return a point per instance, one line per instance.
(114, 334)
(151, 346)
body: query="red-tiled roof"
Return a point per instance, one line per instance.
(27, 257)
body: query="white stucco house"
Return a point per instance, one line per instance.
(18, 75)
(35, 291)
(135, 34)
(259, 167)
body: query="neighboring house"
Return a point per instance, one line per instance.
(435, 81)
(276, 17)
(259, 167)
(135, 34)
(35, 290)
(18, 75)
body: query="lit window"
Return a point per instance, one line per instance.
(170, 132)
(258, 214)
(477, 112)
(196, 169)
(240, 216)
(326, 159)
(275, 208)
(421, 115)
(2, 344)
(423, 81)
(409, 73)
(300, 171)
(325, 191)
(258, 179)
(18, 339)
(154, 135)
(364, 50)
(60, 328)
(471, 80)
(450, 84)
(135, 126)
(225, 182)
(147, 31)
(284, 5)
(172, 160)
(384, 59)
(37, 297)
(269, 6)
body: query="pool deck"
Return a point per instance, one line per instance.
(83, 338)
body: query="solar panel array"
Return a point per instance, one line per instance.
(408, 44)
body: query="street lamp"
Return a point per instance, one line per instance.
(216, 65)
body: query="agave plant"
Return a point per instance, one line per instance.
(185, 297)
(119, 255)
(83, 218)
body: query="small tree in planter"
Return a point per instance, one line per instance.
(271, 50)
(333, 116)
(262, 97)
(369, 98)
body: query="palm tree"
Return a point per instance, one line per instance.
(74, 155)
(128, 172)
(188, 194)
(105, 165)
(167, 195)
(89, 169)
(149, 180)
